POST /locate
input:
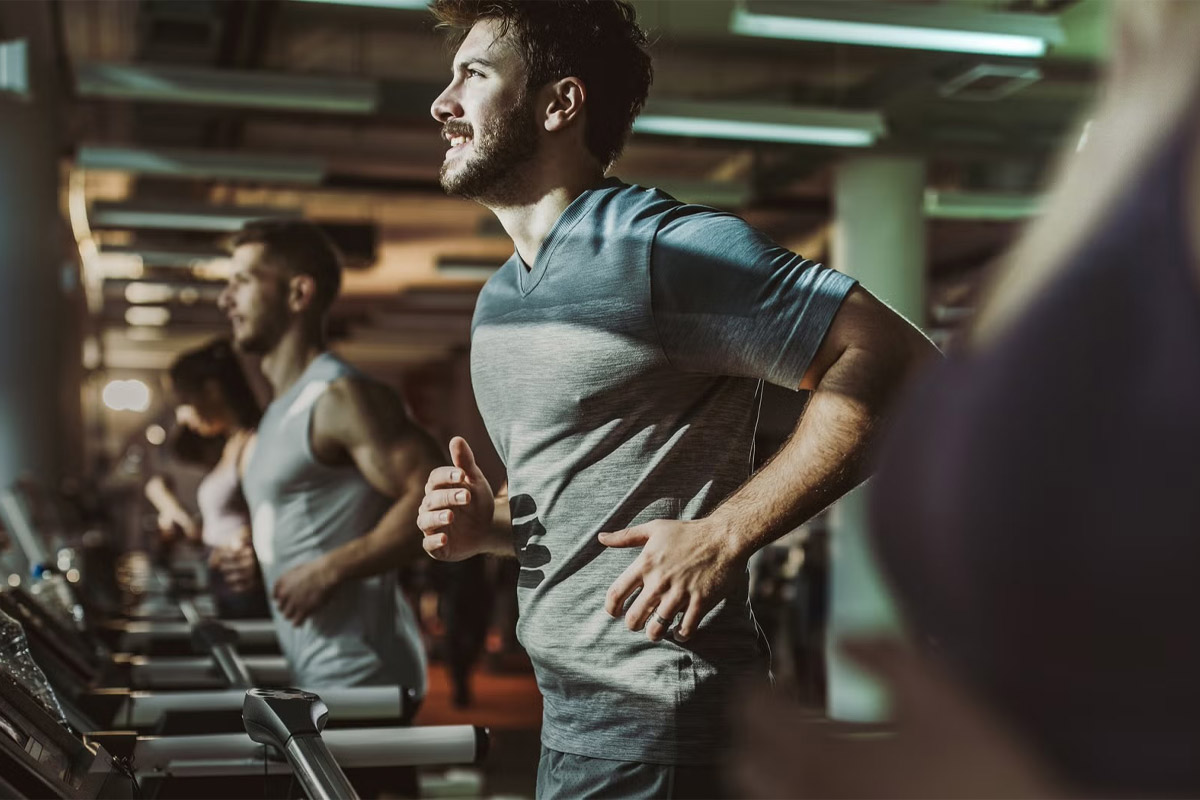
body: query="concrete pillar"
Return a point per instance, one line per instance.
(31, 260)
(879, 238)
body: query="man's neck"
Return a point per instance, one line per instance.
(528, 223)
(287, 361)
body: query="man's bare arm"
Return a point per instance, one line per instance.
(363, 423)
(687, 567)
(865, 359)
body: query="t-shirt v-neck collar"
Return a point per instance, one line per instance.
(528, 279)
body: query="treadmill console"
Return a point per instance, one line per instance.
(40, 758)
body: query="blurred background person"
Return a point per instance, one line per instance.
(1035, 507)
(336, 472)
(176, 517)
(216, 403)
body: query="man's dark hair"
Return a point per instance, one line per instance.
(299, 247)
(597, 41)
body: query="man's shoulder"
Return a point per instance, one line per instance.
(633, 203)
(358, 411)
(355, 391)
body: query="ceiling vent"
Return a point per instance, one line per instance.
(990, 82)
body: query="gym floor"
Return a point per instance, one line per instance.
(509, 705)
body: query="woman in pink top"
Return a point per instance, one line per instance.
(215, 400)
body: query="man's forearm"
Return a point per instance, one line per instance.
(393, 541)
(827, 455)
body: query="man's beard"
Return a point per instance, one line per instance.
(263, 337)
(253, 344)
(492, 176)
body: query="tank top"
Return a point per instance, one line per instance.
(223, 510)
(301, 509)
(1038, 504)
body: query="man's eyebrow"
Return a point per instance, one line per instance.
(480, 62)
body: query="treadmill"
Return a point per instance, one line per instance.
(40, 758)
(93, 694)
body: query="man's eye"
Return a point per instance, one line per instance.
(474, 73)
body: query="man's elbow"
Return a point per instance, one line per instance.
(876, 369)
(903, 354)
(919, 350)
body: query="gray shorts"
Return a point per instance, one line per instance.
(563, 776)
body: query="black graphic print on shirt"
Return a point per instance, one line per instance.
(532, 556)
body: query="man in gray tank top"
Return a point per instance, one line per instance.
(617, 359)
(334, 477)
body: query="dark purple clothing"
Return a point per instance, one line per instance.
(1038, 503)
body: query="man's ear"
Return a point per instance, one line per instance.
(302, 290)
(564, 103)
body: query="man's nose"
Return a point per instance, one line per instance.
(446, 106)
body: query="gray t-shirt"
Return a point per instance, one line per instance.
(620, 379)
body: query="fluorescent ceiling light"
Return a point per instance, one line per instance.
(202, 164)
(155, 316)
(402, 4)
(140, 293)
(758, 123)
(200, 218)
(129, 395)
(751, 131)
(943, 27)
(165, 257)
(277, 91)
(980, 205)
(117, 265)
(828, 30)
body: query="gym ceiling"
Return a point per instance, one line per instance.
(188, 116)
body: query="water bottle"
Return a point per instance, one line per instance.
(18, 664)
(54, 593)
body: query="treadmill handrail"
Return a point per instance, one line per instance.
(233, 669)
(143, 708)
(352, 747)
(317, 770)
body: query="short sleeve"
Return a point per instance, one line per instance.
(728, 301)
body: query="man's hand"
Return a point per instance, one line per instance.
(458, 510)
(303, 589)
(237, 563)
(684, 567)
